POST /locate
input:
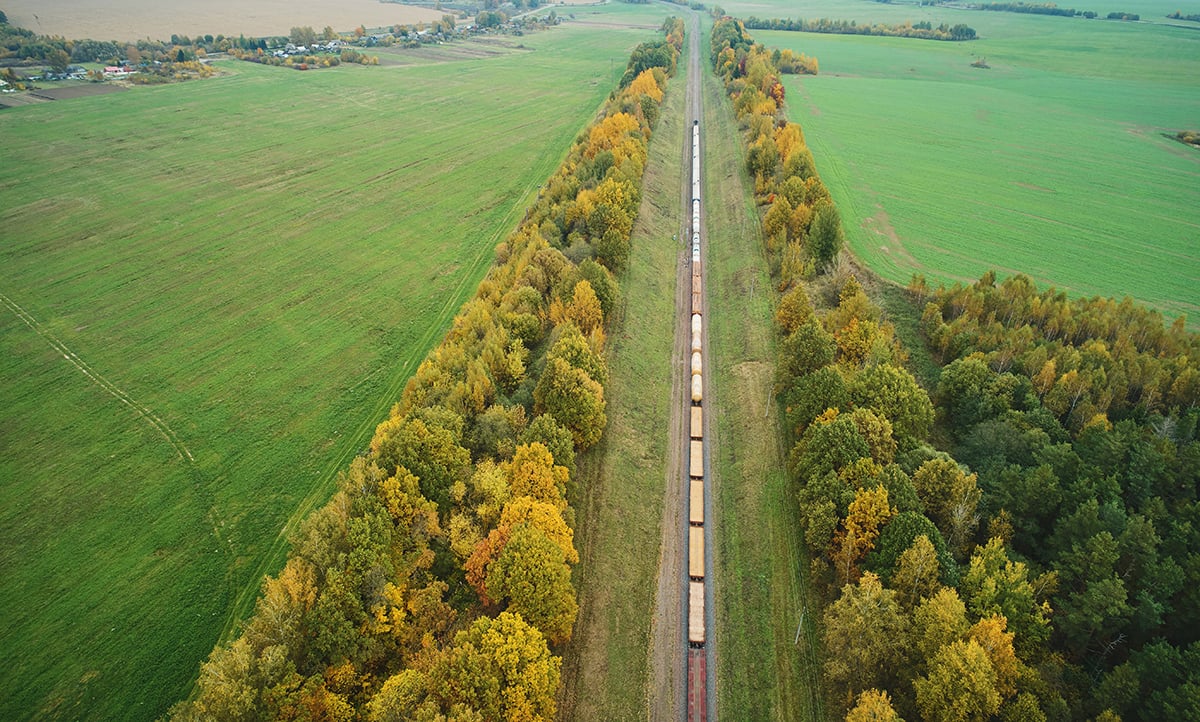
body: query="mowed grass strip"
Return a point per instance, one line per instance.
(1051, 163)
(260, 260)
(620, 500)
(764, 669)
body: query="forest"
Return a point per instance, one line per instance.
(1016, 544)
(437, 580)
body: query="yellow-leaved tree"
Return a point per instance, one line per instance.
(868, 512)
(645, 84)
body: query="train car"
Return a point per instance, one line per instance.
(696, 552)
(696, 502)
(696, 613)
(697, 702)
(697, 389)
(697, 425)
(697, 322)
(696, 460)
(696, 342)
(696, 363)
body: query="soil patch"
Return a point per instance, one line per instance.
(77, 91)
(132, 19)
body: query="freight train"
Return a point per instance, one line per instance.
(697, 677)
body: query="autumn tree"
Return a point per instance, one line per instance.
(498, 669)
(431, 452)
(808, 348)
(899, 535)
(995, 585)
(555, 437)
(960, 685)
(572, 347)
(951, 498)
(917, 571)
(989, 633)
(808, 396)
(825, 235)
(533, 473)
(573, 398)
(303, 35)
(279, 612)
(583, 311)
(644, 84)
(868, 512)
(873, 706)
(895, 394)
(545, 517)
(478, 565)
(937, 621)
(865, 637)
(793, 311)
(532, 579)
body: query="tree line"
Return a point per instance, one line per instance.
(1020, 545)
(801, 224)
(923, 30)
(306, 61)
(1031, 9)
(436, 582)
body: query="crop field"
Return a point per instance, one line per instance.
(1051, 163)
(129, 20)
(212, 293)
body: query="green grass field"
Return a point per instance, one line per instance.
(767, 668)
(213, 291)
(1050, 163)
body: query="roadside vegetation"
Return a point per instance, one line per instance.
(1014, 545)
(438, 577)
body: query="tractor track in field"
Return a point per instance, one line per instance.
(143, 411)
